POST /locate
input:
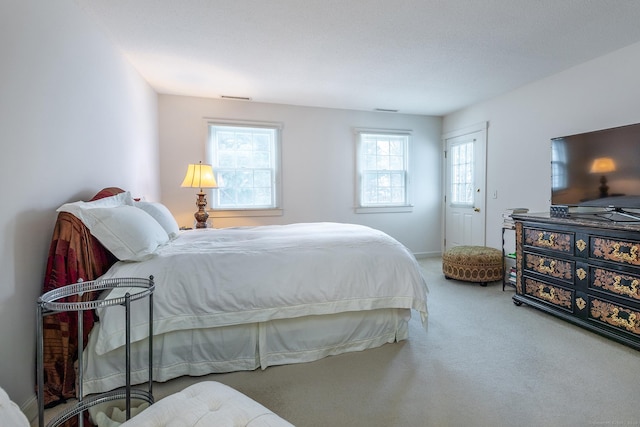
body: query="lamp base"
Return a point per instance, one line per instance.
(604, 188)
(201, 216)
(201, 222)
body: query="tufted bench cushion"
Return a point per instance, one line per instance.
(478, 264)
(207, 404)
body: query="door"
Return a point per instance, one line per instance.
(465, 182)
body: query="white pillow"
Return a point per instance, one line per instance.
(78, 208)
(160, 213)
(129, 233)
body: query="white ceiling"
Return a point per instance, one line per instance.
(416, 56)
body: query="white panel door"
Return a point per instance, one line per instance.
(465, 182)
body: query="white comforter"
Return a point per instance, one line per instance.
(217, 277)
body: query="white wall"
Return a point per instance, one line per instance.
(74, 118)
(318, 161)
(599, 94)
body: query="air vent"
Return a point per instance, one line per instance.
(237, 98)
(385, 110)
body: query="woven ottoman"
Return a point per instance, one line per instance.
(478, 264)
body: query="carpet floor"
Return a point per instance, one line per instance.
(482, 362)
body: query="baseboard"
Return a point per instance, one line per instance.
(422, 255)
(30, 409)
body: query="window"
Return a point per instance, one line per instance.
(558, 165)
(462, 174)
(245, 159)
(383, 159)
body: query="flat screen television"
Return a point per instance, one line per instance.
(599, 169)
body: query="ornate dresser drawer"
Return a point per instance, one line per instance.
(550, 294)
(615, 250)
(616, 283)
(549, 266)
(550, 240)
(618, 316)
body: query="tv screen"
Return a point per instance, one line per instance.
(597, 169)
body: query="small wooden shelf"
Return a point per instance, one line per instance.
(508, 261)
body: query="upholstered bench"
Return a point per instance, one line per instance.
(206, 404)
(478, 264)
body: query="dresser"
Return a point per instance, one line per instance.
(583, 270)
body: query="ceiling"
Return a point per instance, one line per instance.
(428, 57)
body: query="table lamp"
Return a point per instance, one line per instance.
(200, 176)
(603, 165)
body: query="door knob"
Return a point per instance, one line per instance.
(476, 209)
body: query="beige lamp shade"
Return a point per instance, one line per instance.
(199, 176)
(603, 165)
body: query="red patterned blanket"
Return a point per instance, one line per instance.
(74, 254)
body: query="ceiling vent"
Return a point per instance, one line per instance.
(385, 110)
(237, 98)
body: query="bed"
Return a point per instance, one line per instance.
(227, 299)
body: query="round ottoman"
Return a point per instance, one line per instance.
(478, 264)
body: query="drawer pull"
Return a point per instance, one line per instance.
(626, 287)
(581, 273)
(546, 239)
(581, 245)
(628, 321)
(546, 266)
(625, 253)
(546, 293)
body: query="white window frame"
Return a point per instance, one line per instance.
(223, 212)
(462, 179)
(361, 207)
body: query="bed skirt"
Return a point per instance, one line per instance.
(244, 347)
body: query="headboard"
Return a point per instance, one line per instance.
(74, 254)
